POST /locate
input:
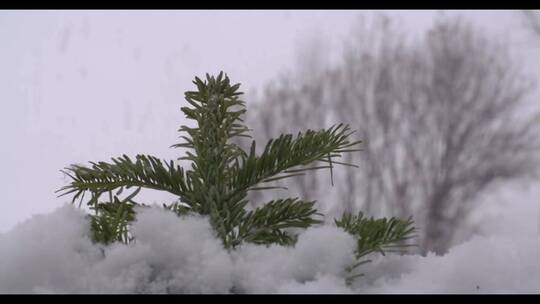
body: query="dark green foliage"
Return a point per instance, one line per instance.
(222, 174)
(375, 235)
(111, 220)
(265, 225)
(147, 171)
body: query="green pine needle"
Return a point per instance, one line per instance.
(221, 175)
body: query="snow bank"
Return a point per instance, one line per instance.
(53, 254)
(170, 255)
(482, 265)
(46, 253)
(317, 262)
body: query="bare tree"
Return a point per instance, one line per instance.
(474, 95)
(532, 19)
(439, 117)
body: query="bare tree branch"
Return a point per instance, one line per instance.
(439, 117)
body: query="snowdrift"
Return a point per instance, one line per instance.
(52, 253)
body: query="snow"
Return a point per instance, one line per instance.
(481, 265)
(52, 253)
(319, 257)
(46, 253)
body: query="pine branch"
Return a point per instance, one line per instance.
(287, 154)
(376, 235)
(147, 172)
(266, 224)
(112, 219)
(221, 175)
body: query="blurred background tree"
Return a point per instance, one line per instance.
(441, 118)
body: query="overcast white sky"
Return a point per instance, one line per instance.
(87, 85)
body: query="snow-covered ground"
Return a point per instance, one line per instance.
(52, 253)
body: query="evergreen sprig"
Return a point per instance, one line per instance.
(375, 236)
(222, 174)
(111, 220)
(147, 172)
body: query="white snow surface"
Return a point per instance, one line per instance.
(52, 253)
